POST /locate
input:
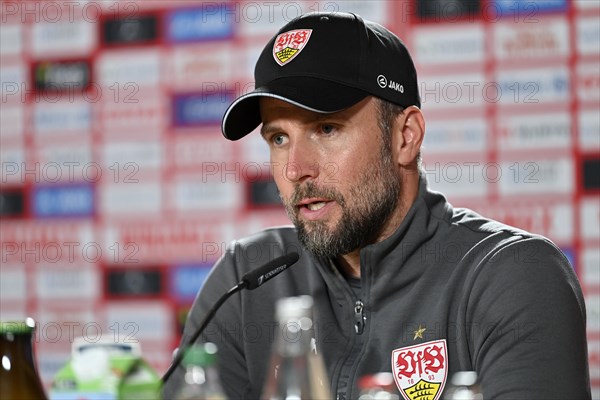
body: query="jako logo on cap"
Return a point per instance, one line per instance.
(289, 44)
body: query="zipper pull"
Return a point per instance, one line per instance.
(359, 317)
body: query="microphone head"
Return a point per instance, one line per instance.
(260, 275)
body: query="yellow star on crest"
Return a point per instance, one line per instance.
(419, 332)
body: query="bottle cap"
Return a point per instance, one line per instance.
(294, 308)
(384, 380)
(464, 378)
(203, 355)
(16, 327)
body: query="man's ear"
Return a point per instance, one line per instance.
(408, 133)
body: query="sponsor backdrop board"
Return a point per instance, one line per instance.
(118, 192)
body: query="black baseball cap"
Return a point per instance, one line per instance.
(326, 62)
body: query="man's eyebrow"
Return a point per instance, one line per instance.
(329, 115)
(268, 128)
(265, 128)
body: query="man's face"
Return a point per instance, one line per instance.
(338, 184)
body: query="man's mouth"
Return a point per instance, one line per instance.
(316, 206)
(310, 203)
(313, 204)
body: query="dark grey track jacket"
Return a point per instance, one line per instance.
(504, 302)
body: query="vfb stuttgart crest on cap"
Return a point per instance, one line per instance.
(289, 44)
(420, 371)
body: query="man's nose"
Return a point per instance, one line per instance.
(302, 163)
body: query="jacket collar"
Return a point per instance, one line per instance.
(418, 227)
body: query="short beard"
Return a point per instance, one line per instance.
(374, 199)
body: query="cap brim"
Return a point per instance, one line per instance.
(318, 95)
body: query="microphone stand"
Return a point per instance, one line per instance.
(251, 280)
(181, 351)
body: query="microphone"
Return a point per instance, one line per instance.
(260, 275)
(250, 280)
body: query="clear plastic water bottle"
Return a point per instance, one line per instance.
(296, 370)
(201, 380)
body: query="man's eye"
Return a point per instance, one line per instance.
(278, 139)
(326, 128)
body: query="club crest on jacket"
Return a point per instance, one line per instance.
(420, 371)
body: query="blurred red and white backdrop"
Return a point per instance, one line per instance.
(118, 191)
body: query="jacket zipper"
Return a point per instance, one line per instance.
(359, 317)
(341, 383)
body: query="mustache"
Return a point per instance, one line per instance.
(310, 189)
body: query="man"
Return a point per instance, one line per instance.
(402, 281)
